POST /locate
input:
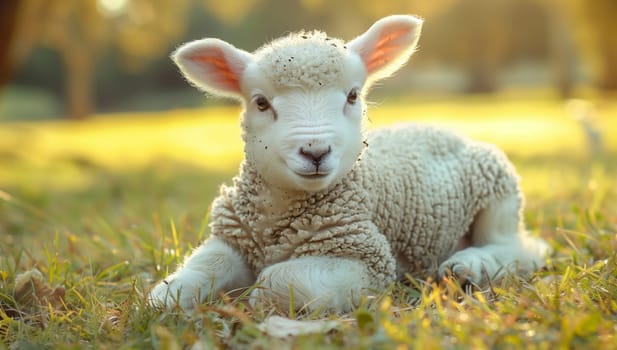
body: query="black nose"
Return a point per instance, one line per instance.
(315, 155)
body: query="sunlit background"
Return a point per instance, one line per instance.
(73, 58)
(109, 161)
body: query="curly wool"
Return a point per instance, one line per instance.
(308, 59)
(409, 200)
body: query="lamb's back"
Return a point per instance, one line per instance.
(426, 185)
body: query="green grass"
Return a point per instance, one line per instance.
(107, 207)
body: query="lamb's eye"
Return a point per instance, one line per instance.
(262, 103)
(352, 96)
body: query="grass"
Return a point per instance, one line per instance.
(106, 207)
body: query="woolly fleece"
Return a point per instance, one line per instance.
(307, 59)
(408, 201)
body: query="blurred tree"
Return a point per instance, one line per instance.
(595, 26)
(480, 39)
(145, 29)
(476, 30)
(233, 12)
(350, 22)
(561, 46)
(422, 8)
(81, 30)
(8, 24)
(78, 33)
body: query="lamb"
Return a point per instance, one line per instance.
(324, 212)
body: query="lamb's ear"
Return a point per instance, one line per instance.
(387, 44)
(213, 66)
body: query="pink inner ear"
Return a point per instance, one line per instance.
(216, 65)
(386, 49)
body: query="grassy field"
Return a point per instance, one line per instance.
(106, 207)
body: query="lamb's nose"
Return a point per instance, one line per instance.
(315, 154)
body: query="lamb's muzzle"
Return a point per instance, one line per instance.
(315, 154)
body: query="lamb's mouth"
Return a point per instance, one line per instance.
(313, 176)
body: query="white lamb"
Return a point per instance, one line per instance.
(324, 213)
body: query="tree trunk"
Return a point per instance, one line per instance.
(562, 52)
(482, 75)
(484, 36)
(608, 72)
(8, 23)
(79, 84)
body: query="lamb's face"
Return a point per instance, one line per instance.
(302, 124)
(303, 119)
(305, 140)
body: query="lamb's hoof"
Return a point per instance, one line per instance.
(170, 296)
(160, 297)
(460, 272)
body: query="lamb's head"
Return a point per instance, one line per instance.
(303, 96)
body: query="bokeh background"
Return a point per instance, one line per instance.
(109, 161)
(73, 58)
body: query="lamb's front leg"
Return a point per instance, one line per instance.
(316, 282)
(212, 267)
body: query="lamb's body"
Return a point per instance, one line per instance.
(415, 209)
(305, 216)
